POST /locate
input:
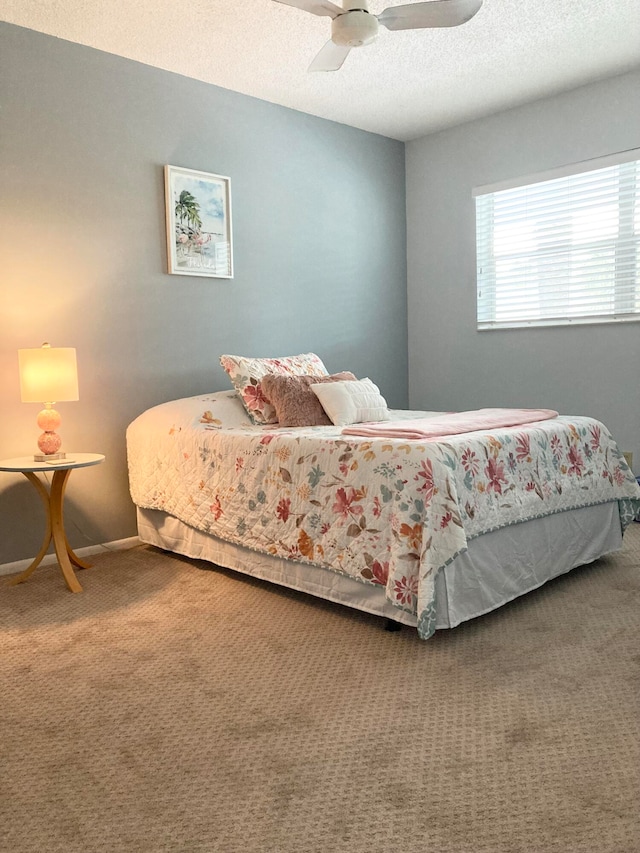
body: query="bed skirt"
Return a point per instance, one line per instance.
(497, 567)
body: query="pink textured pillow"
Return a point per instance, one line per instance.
(295, 403)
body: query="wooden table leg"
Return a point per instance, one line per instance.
(80, 564)
(63, 552)
(53, 503)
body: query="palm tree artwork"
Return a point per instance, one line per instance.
(201, 222)
(188, 209)
(188, 225)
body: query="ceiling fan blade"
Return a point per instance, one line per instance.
(330, 58)
(316, 7)
(437, 13)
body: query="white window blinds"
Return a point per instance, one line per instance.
(564, 248)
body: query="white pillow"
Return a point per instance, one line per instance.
(352, 402)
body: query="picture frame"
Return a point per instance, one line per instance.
(198, 213)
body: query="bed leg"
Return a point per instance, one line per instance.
(391, 625)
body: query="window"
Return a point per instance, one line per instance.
(562, 248)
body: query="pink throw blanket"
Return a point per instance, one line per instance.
(451, 424)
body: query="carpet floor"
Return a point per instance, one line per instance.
(169, 708)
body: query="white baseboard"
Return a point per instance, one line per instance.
(48, 559)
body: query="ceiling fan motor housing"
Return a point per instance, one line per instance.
(354, 29)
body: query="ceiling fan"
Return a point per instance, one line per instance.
(355, 26)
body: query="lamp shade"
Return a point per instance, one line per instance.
(48, 374)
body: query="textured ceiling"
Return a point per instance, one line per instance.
(406, 84)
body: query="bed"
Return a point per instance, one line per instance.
(426, 533)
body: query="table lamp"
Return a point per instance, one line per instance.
(48, 375)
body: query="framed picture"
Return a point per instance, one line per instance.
(198, 223)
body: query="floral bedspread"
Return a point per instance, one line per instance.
(382, 511)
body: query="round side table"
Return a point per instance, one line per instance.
(53, 500)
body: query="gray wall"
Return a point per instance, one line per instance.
(319, 252)
(592, 370)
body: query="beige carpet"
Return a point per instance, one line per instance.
(168, 708)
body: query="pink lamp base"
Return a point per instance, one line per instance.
(49, 442)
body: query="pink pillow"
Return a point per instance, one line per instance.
(295, 403)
